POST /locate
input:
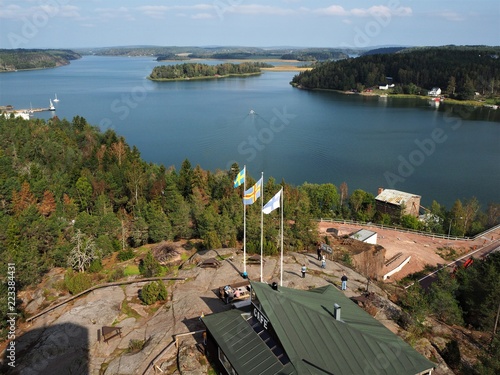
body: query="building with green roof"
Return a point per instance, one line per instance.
(319, 331)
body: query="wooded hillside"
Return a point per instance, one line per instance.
(458, 71)
(61, 178)
(19, 59)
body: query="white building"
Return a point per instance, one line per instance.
(436, 91)
(365, 235)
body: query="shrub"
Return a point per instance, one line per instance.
(95, 266)
(115, 274)
(149, 266)
(77, 282)
(126, 254)
(135, 345)
(149, 293)
(152, 292)
(211, 240)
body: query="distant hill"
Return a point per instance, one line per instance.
(224, 52)
(378, 51)
(23, 59)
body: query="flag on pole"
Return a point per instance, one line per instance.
(273, 203)
(253, 193)
(240, 178)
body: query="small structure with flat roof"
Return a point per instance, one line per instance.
(365, 235)
(397, 203)
(304, 332)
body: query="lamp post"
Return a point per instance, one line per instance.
(449, 229)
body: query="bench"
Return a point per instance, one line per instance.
(254, 259)
(109, 332)
(210, 263)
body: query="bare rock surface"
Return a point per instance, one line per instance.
(164, 336)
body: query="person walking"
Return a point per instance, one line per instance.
(303, 270)
(344, 281)
(323, 262)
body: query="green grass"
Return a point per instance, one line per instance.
(131, 270)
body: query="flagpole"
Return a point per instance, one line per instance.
(244, 226)
(261, 223)
(281, 265)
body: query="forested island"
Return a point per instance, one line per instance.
(24, 59)
(462, 72)
(205, 71)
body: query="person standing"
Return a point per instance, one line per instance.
(344, 281)
(319, 251)
(303, 270)
(323, 262)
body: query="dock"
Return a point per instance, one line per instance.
(24, 113)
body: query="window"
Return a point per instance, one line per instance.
(225, 362)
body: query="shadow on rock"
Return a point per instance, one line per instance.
(57, 349)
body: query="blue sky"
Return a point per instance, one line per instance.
(313, 23)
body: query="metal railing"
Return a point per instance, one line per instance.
(407, 230)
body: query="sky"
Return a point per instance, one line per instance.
(251, 23)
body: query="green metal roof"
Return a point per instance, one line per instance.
(317, 343)
(244, 348)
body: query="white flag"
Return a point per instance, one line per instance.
(273, 204)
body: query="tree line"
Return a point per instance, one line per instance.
(66, 187)
(459, 71)
(195, 70)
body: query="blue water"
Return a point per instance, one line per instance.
(295, 135)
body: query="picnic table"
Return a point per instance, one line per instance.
(235, 292)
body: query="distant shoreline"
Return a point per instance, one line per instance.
(379, 93)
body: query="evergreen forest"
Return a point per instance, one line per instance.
(460, 72)
(59, 178)
(71, 196)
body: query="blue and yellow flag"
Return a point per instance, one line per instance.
(240, 178)
(253, 193)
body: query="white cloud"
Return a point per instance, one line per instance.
(201, 16)
(14, 11)
(256, 9)
(113, 13)
(451, 16)
(376, 10)
(11, 11)
(160, 11)
(333, 10)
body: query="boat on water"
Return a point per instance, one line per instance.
(51, 106)
(56, 100)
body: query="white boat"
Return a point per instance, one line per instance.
(56, 100)
(51, 107)
(252, 112)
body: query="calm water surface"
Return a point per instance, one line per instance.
(292, 134)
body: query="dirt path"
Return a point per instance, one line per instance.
(422, 249)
